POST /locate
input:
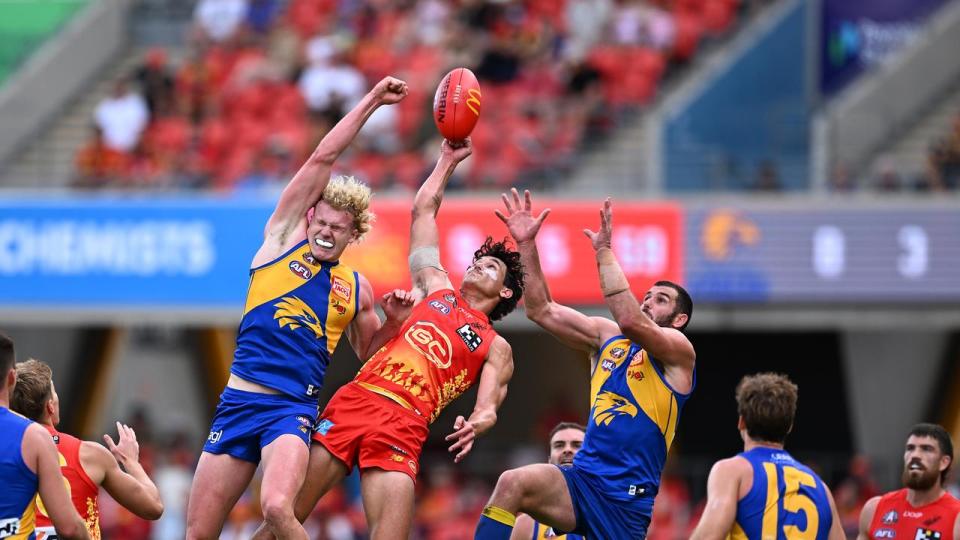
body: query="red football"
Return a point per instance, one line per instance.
(456, 105)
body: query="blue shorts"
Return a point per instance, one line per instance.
(245, 422)
(600, 516)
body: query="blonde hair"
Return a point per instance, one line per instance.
(348, 193)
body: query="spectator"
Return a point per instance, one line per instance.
(122, 117)
(97, 165)
(768, 179)
(156, 81)
(331, 84)
(219, 20)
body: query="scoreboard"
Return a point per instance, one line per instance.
(857, 255)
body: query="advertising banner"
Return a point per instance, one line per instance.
(169, 254)
(857, 34)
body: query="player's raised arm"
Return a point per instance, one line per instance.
(665, 343)
(306, 187)
(569, 325)
(426, 271)
(133, 489)
(491, 391)
(723, 487)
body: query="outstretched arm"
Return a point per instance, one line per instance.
(723, 487)
(667, 345)
(306, 188)
(425, 269)
(367, 333)
(569, 325)
(491, 391)
(133, 489)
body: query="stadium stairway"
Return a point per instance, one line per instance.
(619, 165)
(47, 161)
(909, 152)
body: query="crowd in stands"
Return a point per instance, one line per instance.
(261, 81)
(940, 174)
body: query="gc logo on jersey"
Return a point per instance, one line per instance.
(471, 338)
(431, 342)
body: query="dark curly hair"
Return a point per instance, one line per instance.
(513, 279)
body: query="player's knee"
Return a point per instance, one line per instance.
(277, 509)
(510, 484)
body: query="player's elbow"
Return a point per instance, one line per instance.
(153, 510)
(323, 156)
(537, 312)
(73, 529)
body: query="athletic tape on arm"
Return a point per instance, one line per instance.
(424, 257)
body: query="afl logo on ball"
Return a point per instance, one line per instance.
(299, 269)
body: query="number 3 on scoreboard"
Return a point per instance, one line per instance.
(792, 501)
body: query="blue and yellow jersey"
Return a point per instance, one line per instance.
(787, 500)
(543, 532)
(296, 312)
(19, 483)
(632, 423)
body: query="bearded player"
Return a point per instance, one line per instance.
(763, 492)
(922, 510)
(380, 420)
(85, 465)
(566, 439)
(642, 369)
(300, 302)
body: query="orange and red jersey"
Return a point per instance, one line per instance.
(895, 517)
(435, 357)
(83, 492)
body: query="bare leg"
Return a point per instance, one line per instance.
(218, 483)
(539, 490)
(284, 467)
(323, 472)
(388, 503)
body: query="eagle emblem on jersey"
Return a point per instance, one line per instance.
(609, 405)
(294, 312)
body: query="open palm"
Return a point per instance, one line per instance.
(520, 222)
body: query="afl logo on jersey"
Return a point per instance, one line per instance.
(440, 306)
(431, 342)
(299, 269)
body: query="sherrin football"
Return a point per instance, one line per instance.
(456, 105)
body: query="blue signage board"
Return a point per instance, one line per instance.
(138, 252)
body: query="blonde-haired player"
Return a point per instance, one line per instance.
(300, 302)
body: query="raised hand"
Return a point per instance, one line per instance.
(456, 151)
(126, 450)
(390, 90)
(601, 238)
(464, 433)
(397, 304)
(519, 219)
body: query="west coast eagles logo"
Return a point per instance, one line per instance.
(609, 405)
(294, 312)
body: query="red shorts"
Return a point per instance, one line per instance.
(360, 427)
